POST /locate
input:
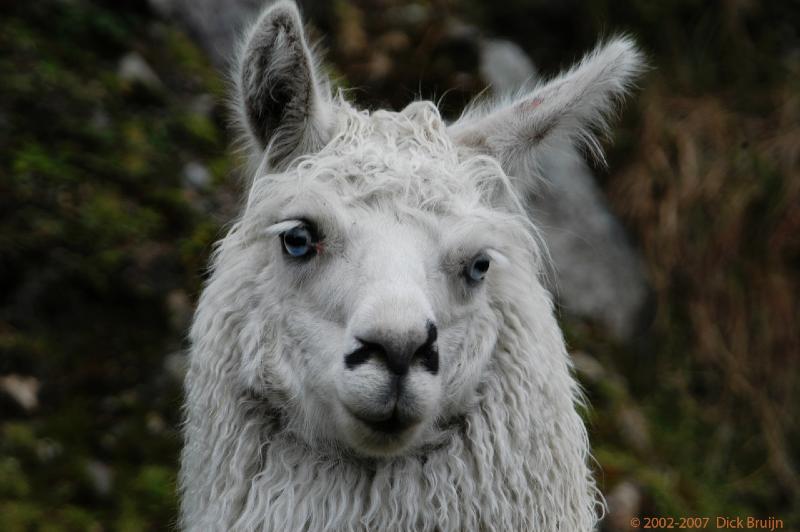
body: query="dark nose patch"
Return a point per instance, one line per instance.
(398, 358)
(363, 353)
(428, 353)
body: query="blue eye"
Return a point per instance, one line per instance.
(476, 270)
(299, 242)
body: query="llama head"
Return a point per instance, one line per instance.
(365, 279)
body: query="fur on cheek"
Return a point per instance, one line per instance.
(466, 351)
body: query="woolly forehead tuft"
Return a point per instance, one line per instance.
(406, 156)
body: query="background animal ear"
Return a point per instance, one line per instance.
(281, 103)
(561, 114)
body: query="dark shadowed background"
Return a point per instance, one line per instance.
(116, 176)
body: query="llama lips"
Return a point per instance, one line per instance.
(394, 424)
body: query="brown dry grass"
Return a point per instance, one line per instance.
(713, 195)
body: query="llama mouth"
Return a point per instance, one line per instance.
(394, 424)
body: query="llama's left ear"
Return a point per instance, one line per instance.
(562, 113)
(282, 103)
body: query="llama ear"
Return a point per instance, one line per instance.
(281, 104)
(560, 114)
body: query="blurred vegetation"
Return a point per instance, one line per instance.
(114, 186)
(102, 242)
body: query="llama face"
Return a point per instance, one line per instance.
(378, 265)
(375, 248)
(394, 326)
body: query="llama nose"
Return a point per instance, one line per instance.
(398, 351)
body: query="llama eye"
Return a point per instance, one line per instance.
(476, 270)
(299, 242)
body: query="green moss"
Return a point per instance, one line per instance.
(18, 435)
(96, 221)
(13, 482)
(20, 517)
(200, 128)
(156, 488)
(181, 51)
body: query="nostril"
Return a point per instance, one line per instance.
(432, 332)
(363, 353)
(428, 353)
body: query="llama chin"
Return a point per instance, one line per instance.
(374, 349)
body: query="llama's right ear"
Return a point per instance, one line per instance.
(559, 115)
(281, 103)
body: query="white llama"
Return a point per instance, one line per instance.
(374, 349)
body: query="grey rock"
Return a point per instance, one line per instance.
(101, 477)
(196, 176)
(100, 121)
(155, 423)
(134, 69)
(624, 503)
(48, 449)
(180, 309)
(176, 365)
(588, 367)
(412, 14)
(633, 428)
(203, 105)
(23, 390)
